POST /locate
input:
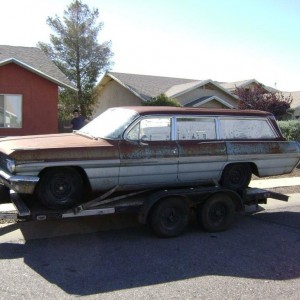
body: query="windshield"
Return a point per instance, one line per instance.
(110, 124)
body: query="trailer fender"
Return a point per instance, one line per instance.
(200, 198)
(236, 198)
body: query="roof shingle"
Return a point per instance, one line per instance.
(35, 60)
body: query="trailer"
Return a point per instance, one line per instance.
(166, 211)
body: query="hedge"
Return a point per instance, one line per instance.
(290, 129)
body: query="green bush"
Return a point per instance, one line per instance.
(162, 100)
(290, 129)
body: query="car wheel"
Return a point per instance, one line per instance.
(236, 176)
(217, 213)
(60, 188)
(169, 217)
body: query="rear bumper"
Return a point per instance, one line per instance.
(19, 184)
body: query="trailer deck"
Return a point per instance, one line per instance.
(146, 204)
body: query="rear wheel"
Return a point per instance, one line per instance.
(60, 188)
(217, 213)
(236, 176)
(169, 217)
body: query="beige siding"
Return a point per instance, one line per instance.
(213, 104)
(205, 91)
(113, 94)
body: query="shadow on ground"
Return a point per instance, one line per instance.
(87, 264)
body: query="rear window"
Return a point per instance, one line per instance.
(245, 129)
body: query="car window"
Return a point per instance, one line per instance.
(151, 129)
(246, 129)
(196, 129)
(110, 124)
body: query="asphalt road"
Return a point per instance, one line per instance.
(257, 258)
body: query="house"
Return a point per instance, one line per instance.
(121, 89)
(29, 83)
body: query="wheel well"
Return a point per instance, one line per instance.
(252, 165)
(254, 168)
(80, 170)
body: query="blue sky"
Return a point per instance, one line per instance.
(227, 40)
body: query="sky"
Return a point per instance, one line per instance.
(222, 40)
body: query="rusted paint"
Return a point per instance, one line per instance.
(60, 147)
(147, 150)
(261, 147)
(197, 148)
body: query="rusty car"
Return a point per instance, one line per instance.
(135, 148)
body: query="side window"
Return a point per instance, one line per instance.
(11, 111)
(196, 129)
(151, 129)
(246, 129)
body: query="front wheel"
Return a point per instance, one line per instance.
(169, 217)
(60, 188)
(217, 213)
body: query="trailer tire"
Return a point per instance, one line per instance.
(60, 188)
(217, 213)
(169, 217)
(236, 176)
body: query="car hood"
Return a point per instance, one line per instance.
(52, 147)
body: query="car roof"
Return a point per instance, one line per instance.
(146, 110)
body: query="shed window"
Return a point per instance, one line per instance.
(10, 111)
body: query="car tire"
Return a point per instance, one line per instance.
(236, 176)
(217, 213)
(169, 217)
(60, 188)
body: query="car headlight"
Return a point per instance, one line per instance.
(11, 166)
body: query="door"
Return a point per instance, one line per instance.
(149, 157)
(201, 156)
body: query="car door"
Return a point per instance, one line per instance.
(201, 156)
(148, 155)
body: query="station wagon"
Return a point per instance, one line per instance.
(136, 148)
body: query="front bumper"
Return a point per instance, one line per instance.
(19, 184)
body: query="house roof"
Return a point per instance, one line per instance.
(231, 86)
(36, 61)
(148, 86)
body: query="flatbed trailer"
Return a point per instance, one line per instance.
(167, 211)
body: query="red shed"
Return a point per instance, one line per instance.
(29, 83)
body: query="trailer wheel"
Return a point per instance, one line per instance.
(236, 176)
(217, 213)
(60, 188)
(169, 217)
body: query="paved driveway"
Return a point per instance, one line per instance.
(258, 258)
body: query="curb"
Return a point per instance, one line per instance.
(276, 182)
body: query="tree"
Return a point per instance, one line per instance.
(162, 100)
(75, 50)
(258, 98)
